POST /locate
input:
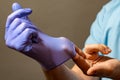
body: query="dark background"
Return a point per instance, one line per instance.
(68, 18)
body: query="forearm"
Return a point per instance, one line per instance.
(80, 73)
(61, 72)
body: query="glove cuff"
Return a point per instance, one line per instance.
(59, 59)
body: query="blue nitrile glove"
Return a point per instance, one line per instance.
(25, 37)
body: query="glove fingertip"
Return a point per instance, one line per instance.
(16, 6)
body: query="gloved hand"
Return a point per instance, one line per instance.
(25, 37)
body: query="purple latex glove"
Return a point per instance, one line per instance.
(25, 37)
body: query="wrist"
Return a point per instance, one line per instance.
(52, 52)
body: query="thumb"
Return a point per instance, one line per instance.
(17, 6)
(92, 71)
(98, 71)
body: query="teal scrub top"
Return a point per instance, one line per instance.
(106, 29)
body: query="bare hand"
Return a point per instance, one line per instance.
(95, 65)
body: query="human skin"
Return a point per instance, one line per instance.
(39, 46)
(90, 62)
(96, 65)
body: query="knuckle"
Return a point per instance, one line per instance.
(68, 48)
(17, 20)
(24, 24)
(87, 46)
(12, 45)
(63, 38)
(9, 43)
(9, 17)
(29, 31)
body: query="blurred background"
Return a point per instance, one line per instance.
(68, 18)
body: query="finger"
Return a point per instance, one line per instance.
(17, 14)
(17, 6)
(18, 21)
(97, 70)
(95, 48)
(80, 61)
(90, 48)
(13, 26)
(27, 35)
(104, 49)
(23, 41)
(79, 51)
(20, 29)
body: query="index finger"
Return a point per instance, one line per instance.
(79, 51)
(95, 48)
(17, 14)
(17, 6)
